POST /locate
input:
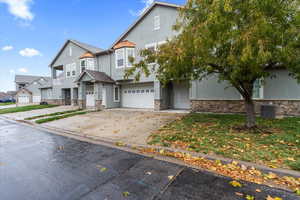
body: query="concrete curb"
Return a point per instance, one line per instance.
(264, 169)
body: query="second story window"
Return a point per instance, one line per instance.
(130, 53)
(87, 63)
(157, 22)
(70, 70)
(120, 58)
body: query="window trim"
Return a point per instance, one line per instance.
(156, 22)
(70, 68)
(261, 91)
(70, 51)
(116, 58)
(118, 95)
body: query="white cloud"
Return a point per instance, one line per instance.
(20, 8)
(23, 70)
(29, 52)
(147, 4)
(7, 48)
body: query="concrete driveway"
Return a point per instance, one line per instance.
(32, 113)
(126, 126)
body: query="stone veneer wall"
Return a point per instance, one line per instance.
(74, 102)
(99, 105)
(82, 104)
(54, 101)
(283, 107)
(160, 105)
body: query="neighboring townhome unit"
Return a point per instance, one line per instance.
(28, 88)
(92, 77)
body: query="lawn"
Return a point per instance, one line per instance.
(24, 108)
(53, 114)
(6, 104)
(50, 119)
(214, 134)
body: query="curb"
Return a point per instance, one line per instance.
(264, 169)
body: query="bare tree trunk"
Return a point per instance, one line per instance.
(250, 111)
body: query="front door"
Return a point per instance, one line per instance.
(67, 96)
(90, 96)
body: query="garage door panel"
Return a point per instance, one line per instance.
(36, 99)
(138, 96)
(23, 99)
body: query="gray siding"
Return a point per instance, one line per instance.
(144, 34)
(34, 88)
(104, 64)
(211, 89)
(109, 97)
(283, 87)
(63, 60)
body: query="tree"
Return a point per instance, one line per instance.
(239, 40)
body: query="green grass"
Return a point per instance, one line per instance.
(25, 108)
(50, 119)
(6, 104)
(52, 114)
(214, 134)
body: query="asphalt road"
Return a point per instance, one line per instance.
(36, 165)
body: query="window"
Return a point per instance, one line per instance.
(70, 51)
(130, 53)
(116, 94)
(151, 47)
(120, 58)
(90, 64)
(70, 70)
(157, 22)
(83, 65)
(258, 90)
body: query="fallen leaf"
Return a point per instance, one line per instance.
(103, 169)
(249, 197)
(235, 184)
(170, 177)
(297, 191)
(271, 175)
(148, 173)
(126, 194)
(258, 190)
(273, 198)
(239, 194)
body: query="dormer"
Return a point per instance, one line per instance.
(123, 51)
(87, 61)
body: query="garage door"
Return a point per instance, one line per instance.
(23, 99)
(36, 99)
(139, 96)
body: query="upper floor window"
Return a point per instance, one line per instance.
(70, 51)
(87, 63)
(71, 70)
(156, 22)
(120, 58)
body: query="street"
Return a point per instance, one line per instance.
(37, 165)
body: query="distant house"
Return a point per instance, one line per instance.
(28, 88)
(8, 96)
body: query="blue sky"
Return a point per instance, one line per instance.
(32, 31)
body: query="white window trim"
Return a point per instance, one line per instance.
(116, 58)
(128, 64)
(70, 51)
(116, 101)
(70, 68)
(156, 22)
(261, 93)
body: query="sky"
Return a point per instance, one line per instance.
(33, 31)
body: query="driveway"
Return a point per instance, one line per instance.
(32, 113)
(37, 165)
(126, 126)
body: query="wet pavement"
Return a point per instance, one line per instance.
(36, 165)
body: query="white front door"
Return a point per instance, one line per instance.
(36, 99)
(138, 96)
(181, 98)
(90, 96)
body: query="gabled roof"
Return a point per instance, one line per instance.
(125, 43)
(28, 78)
(145, 13)
(96, 76)
(87, 47)
(24, 89)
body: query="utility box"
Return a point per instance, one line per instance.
(268, 111)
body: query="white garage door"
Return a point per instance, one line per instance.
(36, 99)
(23, 100)
(138, 96)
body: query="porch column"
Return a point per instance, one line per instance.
(82, 95)
(161, 96)
(98, 88)
(74, 96)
